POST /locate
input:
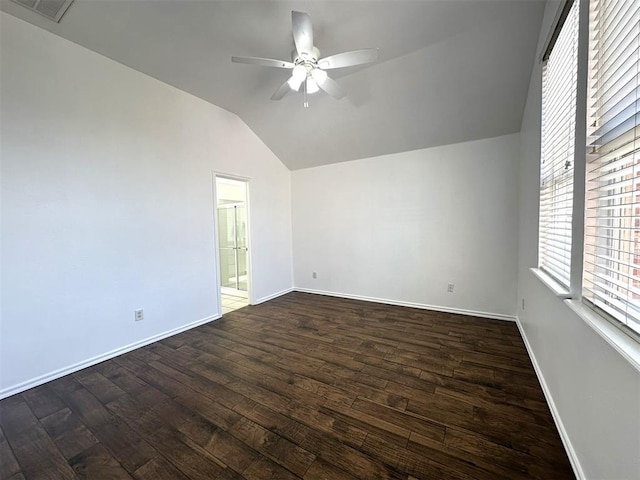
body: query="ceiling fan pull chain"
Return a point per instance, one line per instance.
(305, 102)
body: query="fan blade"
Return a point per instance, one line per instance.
(332, 88)
(265, 62)
(302, 33)
(349, 59)
(282, 91)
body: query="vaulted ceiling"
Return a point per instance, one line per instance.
(449, 70)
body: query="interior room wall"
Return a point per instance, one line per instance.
(594, 391)
(108, 206)
(399, 228)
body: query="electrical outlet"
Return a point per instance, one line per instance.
(314, 275)
(138, 315)
(450, 288)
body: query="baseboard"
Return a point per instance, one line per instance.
(564, 436)
(436, 308)
(272, 296)
(21, 387)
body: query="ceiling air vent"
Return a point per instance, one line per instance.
(52, 9)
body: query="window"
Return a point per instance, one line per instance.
(611, 278)
(559, 80)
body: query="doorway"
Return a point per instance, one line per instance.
(233, 245)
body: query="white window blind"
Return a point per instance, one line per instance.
(559, 81)
(611, 279)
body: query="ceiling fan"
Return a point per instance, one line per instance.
(308, 70)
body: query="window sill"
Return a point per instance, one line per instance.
(558, 290)
(613, 335)
(620, 341)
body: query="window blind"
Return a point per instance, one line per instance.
(559, 81)
(611, 278)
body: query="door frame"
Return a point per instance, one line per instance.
(218, 288)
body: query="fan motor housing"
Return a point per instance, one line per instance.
(304, 58)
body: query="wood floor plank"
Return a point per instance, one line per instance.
(458, 460)
(396, 373)
(231, 451)
(191, 424)
(8, 464)
(369, 423)
(17, 476)
(265, 469)
(70, 435)
(274, 421)
(295, 387)
(279, 449)
(123, 378)
(468, 388)
(34, 450)
(213, 411)
(323, 470)
(43, 401)
(492, 456)
(303, 386)
(126, 445)
(405, 419)
(348, 458)
(187, 457)
(97, 463)
(81, 402)
(159, 469)
(410, 463)
(100, 386)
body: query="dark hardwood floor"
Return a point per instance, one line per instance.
(303, 386)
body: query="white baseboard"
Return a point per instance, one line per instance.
(272, 296)
(21, 387)
(437, 308)
(564, 436)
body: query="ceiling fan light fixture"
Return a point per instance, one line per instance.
(299, 72)
(298, 76)
(294, 83)
(320, 76)
(312, 86)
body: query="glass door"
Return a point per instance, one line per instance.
(232, 232)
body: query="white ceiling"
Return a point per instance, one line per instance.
(449, 71)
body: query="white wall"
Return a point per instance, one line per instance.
(595, 391)
(401, 227)
(107, 205)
